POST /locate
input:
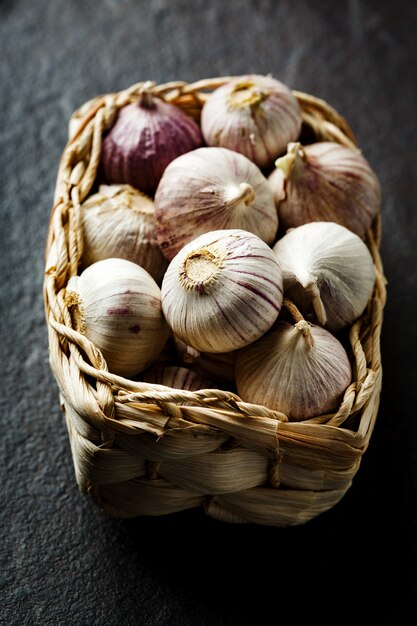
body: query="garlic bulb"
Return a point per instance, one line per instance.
(117, 305)
(325, 181)
(328, 272)
(212, 189)
(177, 378)
(217, 365)
(222, 291)
(255, 115)
(145, 137)
(301, 370)
(118, 222)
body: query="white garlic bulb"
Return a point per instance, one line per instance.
(117, 305)
(222, 291)
(301, 370)
(328, 272)
(255, 115)
(118, 222)
(212, 189)
(325, 181)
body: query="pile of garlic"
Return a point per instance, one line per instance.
(227, 254)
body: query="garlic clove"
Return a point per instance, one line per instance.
(212, 189)
(325, 181)
(252, 114)
(116, 304)
(118, 222)
(222, 291)
(328, 272)
(299, 369)
(146, 136)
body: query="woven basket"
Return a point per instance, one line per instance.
(145, 449)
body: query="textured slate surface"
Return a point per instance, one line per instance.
(62, 562)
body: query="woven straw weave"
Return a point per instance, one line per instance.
(145, 449)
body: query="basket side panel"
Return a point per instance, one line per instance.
(146, 496)
(280, 507)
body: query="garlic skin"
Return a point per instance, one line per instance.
(218, 366)
(325, 181)
(176, 377)
(145, 137)
(222, 291)
(116, 304)
(212, 189)
(253, 114)
(328, 272)
(118, 222)
(299, 369)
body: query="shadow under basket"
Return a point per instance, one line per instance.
(145, 449)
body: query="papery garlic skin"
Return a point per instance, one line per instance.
(325, 181)
(117, 305)
(253, 114)
(176, 377)
(328, 272)
(118, 222)
(219, 366)
(145, 137)
(212, 189)
(301, 370)
(222, 291)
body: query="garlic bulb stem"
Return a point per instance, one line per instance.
(300, 323)
(146, 99)
(244, 193)
(292, 309)
(309, 283)
(245, 93)
(287, 162)
(304, 329)
(317, 302)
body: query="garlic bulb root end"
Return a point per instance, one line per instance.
(200, 270)
(76, 309)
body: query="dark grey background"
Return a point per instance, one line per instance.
(62, 562)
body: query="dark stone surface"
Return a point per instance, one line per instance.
(62, 562)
